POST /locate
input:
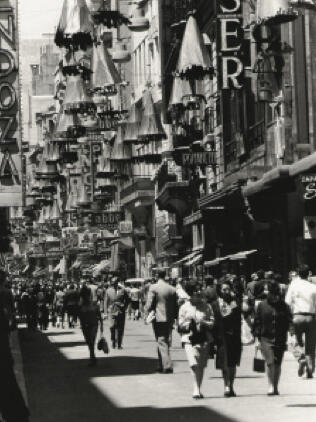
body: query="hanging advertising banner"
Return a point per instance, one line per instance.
(230, 44)
(11, 181)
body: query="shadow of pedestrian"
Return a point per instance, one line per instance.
(62, 390)
(301, 405)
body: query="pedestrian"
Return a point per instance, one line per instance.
(196, 321)
(162, 300)
(135, 301)
(12, 404)
(272, 323)
(115, 305)
(58, 306)
(210, 289)
(71, 301)
(227, 312)
(301, 297)
(90, 319)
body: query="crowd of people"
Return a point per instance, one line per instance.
(214, 317)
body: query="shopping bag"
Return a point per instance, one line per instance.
(246, 335)
(258, 361)
(103, 345)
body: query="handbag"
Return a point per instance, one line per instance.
(246, 335)
(258, 361)
(103, 345)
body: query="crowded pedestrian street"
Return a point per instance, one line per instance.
(124, 384)
(157, 211)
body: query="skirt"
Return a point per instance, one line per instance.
(197, 355)
(272, 354)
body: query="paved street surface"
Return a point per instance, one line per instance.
(125, 387)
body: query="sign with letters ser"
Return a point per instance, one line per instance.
(10, 143)
(229, 44)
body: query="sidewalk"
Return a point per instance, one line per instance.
(124, 385)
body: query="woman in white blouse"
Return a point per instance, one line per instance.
(196, 321)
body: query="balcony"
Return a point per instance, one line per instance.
(176, 197)
(140, 193)
(171, 238)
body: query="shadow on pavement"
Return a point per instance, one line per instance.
(59, 333)
(62, 390)
(301, 405)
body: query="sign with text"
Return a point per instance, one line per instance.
(229, 44)
(309, 184)
(205, 158)
(10, 142)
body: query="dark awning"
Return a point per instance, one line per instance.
(75, 25)
(104, 72)
(180, 88)
(133, 124)
(194, 60)
(121, 151)
(150, 127)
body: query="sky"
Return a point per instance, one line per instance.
(38, 17)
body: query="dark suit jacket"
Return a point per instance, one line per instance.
(162, 299)
(115, 301)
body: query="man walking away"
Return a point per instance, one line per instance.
(162, 300)
(301, 297)
(115, 305)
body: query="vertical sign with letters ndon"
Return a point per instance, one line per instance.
(10, 139)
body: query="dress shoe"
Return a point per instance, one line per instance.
(168, 371)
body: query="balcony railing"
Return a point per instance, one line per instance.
(255, 135)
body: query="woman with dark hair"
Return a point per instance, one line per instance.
(90, 318)
(271, 326)
(227, 311)
(196, 321)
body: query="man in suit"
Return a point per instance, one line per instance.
(115, 305)
(162, 299)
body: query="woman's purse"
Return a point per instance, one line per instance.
(103, 345)
(258, 361)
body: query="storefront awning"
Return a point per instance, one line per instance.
(57, 268)
(305, 164)
(187, 258)
(194, 261)
(102, 266)
(240, 256)
(214, 262)
(25, 270)
(76, 265)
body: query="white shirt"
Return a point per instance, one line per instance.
(301, 296)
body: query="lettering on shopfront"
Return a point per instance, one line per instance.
(309, 183)
(198, 158)
(230, 44)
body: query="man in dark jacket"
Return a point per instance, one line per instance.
(115, 305)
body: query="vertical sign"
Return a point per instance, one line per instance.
(10, 142)
(230, 43)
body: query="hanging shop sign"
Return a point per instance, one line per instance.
(126, 227)
(230, 43)
(107, 220)
(10, 143)
(309, 186)
(205, 158)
